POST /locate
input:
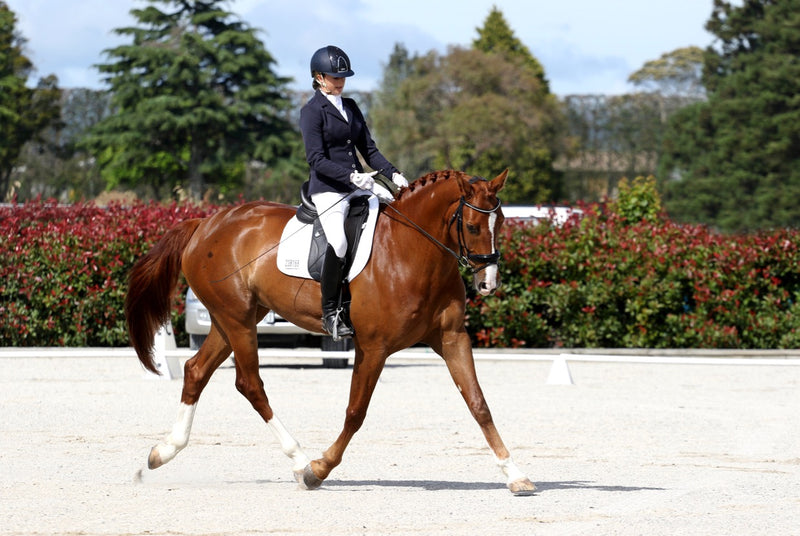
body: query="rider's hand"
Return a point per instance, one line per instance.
(399, 180)
(363, 180)
(382, 193)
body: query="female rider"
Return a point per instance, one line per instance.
(333, 130)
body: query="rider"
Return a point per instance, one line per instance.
(333, 128)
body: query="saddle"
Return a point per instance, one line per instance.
(304, 232)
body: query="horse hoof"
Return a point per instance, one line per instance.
(154, 460)
(308, 479)
(522, 487)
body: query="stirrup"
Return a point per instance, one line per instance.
(332, 323)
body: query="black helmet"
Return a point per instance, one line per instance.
(332, 61)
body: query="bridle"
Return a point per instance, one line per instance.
(466, 258)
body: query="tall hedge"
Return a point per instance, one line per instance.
(63, 269)
(598, 281)
(603, 281)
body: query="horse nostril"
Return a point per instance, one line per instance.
(486, 289)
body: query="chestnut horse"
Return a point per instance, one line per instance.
(410, 291)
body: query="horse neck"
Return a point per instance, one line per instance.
(430, 205)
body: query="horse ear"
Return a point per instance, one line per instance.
(498, 182)
(464, 186)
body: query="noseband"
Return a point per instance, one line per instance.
(466, 258)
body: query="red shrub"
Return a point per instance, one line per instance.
(64, 269)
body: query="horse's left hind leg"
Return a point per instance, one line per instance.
(458, 356)
(197, 372)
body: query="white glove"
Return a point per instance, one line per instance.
(363, 180)
(399, 180)
(382, 193)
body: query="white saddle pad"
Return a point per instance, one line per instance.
(295, 244)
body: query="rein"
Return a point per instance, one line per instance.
(464, 256)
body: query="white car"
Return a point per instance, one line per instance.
(536, 213)
(273, 330)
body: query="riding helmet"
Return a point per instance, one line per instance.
(332, 61)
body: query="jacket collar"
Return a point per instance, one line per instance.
(328, 106)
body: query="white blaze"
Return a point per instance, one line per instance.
(490, 273)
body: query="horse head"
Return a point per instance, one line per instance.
(476, 224)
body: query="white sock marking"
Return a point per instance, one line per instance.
(289, 444)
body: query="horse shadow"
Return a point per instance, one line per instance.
(444, 485)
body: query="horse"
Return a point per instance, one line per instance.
(410, 291)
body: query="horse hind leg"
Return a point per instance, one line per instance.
(292, 449)
(251, 386)
(176, 441)
(197, 372)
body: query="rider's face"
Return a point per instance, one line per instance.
(331, 85)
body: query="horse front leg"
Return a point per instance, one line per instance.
(457, 353)
(362, 385)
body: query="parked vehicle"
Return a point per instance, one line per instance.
(538, 213)
(273, 331)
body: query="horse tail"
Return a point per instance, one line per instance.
(151, 283)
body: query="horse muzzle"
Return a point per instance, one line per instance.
(487, 280)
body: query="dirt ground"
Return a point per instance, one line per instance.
(630, 448)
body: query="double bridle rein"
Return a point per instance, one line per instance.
(465, 257)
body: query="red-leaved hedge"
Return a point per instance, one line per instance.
(595, 282)
(63, 269)
(602, 282)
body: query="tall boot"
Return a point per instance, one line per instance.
(333, 319)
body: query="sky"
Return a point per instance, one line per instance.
(585, 46)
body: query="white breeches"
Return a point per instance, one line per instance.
(332, 208)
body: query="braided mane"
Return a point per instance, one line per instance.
(426, 181)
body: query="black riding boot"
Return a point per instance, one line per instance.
(334, 319)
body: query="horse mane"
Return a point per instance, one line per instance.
(426, 181)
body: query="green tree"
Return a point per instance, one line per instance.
(734, 161)
(638, 201)
(24, 112)
(395, 113)
(475, 111)
(677, 73)
(497, 37)
(53, 165)
(194, 97)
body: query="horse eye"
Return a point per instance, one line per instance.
(472, 229)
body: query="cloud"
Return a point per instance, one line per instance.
(294, 32)
(584, 45)
(571, 71)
